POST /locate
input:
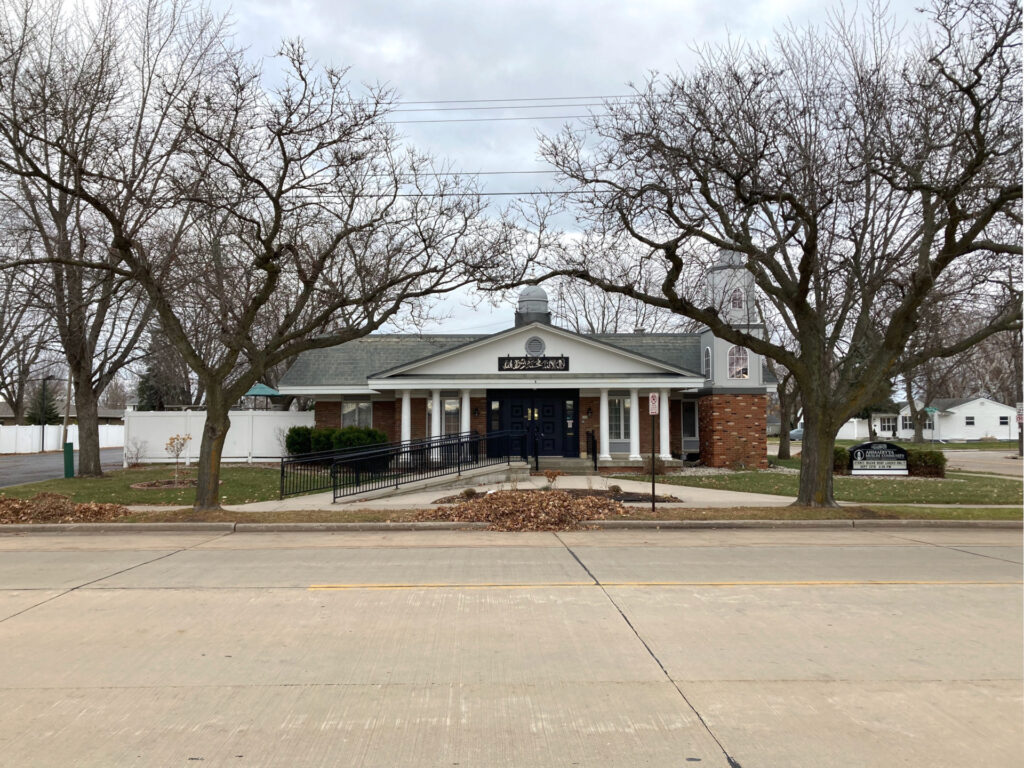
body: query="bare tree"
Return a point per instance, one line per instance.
(25, 337)
(288, 218)
(851, 172)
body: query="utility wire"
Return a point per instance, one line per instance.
(490, 119)
(525, 98)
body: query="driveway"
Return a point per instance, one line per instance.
(993, 462)
(20, 468)
(854, 648)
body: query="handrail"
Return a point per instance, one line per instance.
(305, 473)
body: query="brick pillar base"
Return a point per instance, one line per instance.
(733, 430)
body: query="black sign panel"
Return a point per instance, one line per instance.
(533, 363)
(878, 459)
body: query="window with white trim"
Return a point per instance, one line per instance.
(908, 423)
(356, 413)
(451, 421)
(618, 418)
(737, 299)
(968, 421)
(707, 362)
(1004, 421)
(886, 423)
(738, 365)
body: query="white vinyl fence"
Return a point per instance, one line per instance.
(31, 439)
(254, 435)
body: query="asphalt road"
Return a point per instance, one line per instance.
(757, 649)
(29, 467)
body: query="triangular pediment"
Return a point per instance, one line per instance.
(537, 348)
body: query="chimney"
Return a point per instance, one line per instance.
(639, 330)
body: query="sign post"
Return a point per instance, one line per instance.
(652, 409)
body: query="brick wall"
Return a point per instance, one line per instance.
(387, 418)
(478, 423)
(588, 423)
(327, 413)
(732, 430)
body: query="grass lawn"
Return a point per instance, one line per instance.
(976, 445)
(955, 489)
(239, 484)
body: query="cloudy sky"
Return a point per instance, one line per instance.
(536, 62)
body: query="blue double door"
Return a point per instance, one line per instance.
(548, 419)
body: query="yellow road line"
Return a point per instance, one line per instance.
(876, 583)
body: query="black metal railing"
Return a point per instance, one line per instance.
(392, 466)
(309, 472)
(592, 448)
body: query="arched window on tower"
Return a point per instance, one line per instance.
(707, 362)
(738, 367)
(737, 299)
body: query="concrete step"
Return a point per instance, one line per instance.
(581, 466)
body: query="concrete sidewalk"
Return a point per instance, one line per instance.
(426, 498)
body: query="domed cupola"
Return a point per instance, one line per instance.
(533, 306)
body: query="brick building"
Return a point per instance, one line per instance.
(536, 380)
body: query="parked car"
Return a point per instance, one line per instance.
(796, 434)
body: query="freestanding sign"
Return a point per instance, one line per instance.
(652, 404)
(878, 459)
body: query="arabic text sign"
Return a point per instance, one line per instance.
(533, 363)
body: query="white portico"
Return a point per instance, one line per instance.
(568, 394)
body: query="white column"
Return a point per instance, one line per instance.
(634, 425)
(406, 416)
(435, 413)
(464, 412)
(603, 451)
(663, 422)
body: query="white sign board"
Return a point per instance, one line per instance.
(652, 404)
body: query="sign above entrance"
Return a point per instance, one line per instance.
(533, 363)
(878, 459)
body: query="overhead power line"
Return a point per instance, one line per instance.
(525, 98)
(489, 119)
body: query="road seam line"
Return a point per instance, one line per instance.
(729, 759)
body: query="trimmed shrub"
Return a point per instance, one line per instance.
(922, 463)
(322, 439)
(356, 437)
(840, 461)
(297, 440)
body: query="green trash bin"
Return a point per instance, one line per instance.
(69, 459)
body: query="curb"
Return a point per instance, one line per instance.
(617, 525)
(117, 527)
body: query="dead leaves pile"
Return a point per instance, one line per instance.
(56, 508)
(528, 511)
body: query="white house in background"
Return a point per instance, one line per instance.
(969, 418)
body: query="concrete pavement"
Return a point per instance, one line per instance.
(754, 649)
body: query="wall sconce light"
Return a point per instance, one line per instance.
(476, 411)
(590, 412)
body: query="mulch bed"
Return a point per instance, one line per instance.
(621, 496)
(56, 508)
(528, 510)
(160, 485)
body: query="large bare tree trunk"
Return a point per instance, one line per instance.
(916, 416)
(786, 403)
(86, 404)
(214, 433)
(816, 460)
